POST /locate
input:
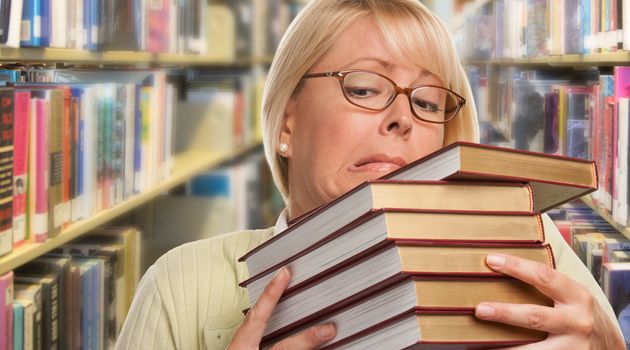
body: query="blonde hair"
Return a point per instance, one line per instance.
(408, 28)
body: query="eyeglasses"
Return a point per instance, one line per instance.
(375, 92)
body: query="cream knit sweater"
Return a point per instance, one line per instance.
(190, 298)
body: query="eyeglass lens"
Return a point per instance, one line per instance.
(375, 92)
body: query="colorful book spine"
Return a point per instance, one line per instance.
(7, 111)
(20, 164)
(6, 310)
(66, 158)
(31, 28)
(39, 164)
(55, 174)
(18, 325)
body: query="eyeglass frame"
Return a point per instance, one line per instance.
(340, 75)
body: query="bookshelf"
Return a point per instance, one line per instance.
(187, 165)
(122, 57)
(625, 230)
(597, 59)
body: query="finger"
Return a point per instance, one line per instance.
(252, 329)
(311, 338)
(550, 282)
(536, 317)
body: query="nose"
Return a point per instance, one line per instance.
(398, 118)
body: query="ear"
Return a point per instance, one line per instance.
(286, 130)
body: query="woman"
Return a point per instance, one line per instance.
(323, 137)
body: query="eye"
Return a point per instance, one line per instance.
(426, 105)
(361, 92)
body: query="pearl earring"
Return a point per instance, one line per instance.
(284, 147)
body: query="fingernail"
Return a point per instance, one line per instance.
(484, 311)
(325, 331)
(495, 260)
(281, 273)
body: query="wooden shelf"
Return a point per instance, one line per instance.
(38, 54)
(624, 230)
(186, 166)
(597, 59)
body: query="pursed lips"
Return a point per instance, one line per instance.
(378, 162)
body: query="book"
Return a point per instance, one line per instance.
(380, 227)
(6, 311)
(49, 306)
(24, 328)
(10, 19)
(553, 180)
(18, 325)
(57, 268)
(444, 331)
(20, 164)
(55, 163)
(31, 296)
(373, 270)
(424, 295)
(6, 169)
(377, 194)
(615, 277)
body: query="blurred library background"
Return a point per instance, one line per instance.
(175, 152)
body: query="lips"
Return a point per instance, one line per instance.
(378, 163)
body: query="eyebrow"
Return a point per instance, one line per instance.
(385, 64)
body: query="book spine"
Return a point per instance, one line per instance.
(46, 22)
(6, 169)
(137, 143)
(39, 221)
(66, 156)
(31, 28)
(55, 151)
(129, 143)
(6, 305)
(18, 325)
(20, 164)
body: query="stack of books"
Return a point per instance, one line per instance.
(400, 261)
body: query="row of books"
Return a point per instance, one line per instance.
(603, 250)
(244, 28)
(223, 108)
(153, 26)
(545, 27)
(400, 261)
(80, 145)
(75, 297)
(581, 115)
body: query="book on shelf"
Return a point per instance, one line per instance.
(615, 279)
(18, 325)
(429, 297)
(10, 21)
(57, 269)
(6, 310)
(7, 116)
(30, 295)
(544, 27)
(49, 301)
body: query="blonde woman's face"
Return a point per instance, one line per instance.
(334, 145)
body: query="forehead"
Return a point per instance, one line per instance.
(362, 43)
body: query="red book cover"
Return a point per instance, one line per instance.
(7, 111)
(20, 164)
(159, 23)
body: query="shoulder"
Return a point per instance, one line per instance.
(196, 288)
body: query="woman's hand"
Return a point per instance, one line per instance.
(251, 331)
(575, 322)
